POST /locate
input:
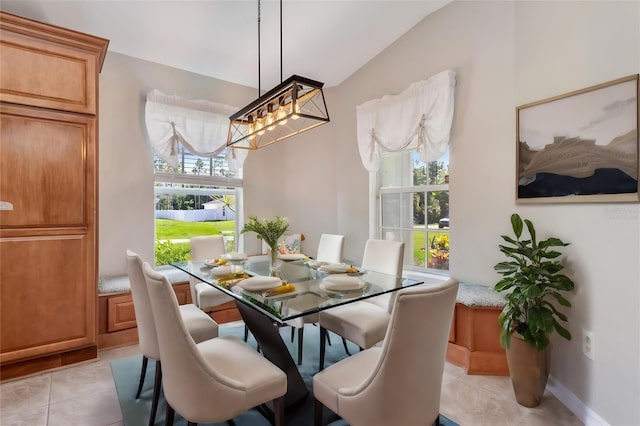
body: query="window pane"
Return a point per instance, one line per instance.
(437, 207)
(390, 210)
(417, 208)
(438, 251)
(396, 169)
(414, 248)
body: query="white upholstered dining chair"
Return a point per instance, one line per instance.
(198, 324)
(398, 382)
(330, 250)
(365, 322)
(212, 381)
(206, 247)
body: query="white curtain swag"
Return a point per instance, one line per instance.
(420, 117)
(200, 126)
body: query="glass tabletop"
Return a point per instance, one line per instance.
(315, 287)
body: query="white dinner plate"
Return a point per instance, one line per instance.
(335, 268)
(291, 256)
(341, 283)
(234, 256)
(259, 283)
(315, 263)
(221, 271)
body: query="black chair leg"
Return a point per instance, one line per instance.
(328, 339)
(344, 343)
(292, 333)
(323, 338)
(246, 333)
(169, 417)
(300, 340)
(317, 413)
(143, 373)
(278, 411)
(156, 394)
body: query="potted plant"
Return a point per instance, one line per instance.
(532, 283)
(270, 231)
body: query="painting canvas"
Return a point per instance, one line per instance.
(581, 146)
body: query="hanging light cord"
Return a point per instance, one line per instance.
(259, 91)
(280, 41)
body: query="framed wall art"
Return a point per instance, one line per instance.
(581, 146)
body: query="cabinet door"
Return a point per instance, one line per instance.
(47, 240)
(37, 71)
(48, 166)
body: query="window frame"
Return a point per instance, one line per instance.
(225, 186)
(376, 228)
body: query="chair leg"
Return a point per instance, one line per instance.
(292, 334)
(323, 334)
(300, 340)
(246, 333)
(317, 413)
(169, 417)
(328, 339)
(156, 394)
(344, 343)
(143, 373)
(278, 411)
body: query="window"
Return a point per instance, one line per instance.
(413, 207)
(199, 197)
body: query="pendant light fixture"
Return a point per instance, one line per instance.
(292, 107)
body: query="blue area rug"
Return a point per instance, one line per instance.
(135, 412)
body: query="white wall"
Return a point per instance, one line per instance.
(126, 161)
(505, 54)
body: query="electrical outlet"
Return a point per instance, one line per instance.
(588, 344)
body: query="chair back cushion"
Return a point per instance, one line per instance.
(404, 387)
(384, 256)
(330, 248)
(207, 247)
(147, 337)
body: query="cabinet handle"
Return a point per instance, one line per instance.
(5, 205)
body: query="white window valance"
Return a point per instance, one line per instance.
(420, 117)
(200, 126)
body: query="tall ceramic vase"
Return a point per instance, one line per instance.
(529, 370)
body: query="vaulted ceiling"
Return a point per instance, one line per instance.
(321, 39)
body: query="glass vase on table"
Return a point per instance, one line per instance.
(273, 262)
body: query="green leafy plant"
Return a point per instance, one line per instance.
(531, 280)
(167, 252)
(269, 230)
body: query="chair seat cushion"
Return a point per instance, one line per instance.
(362, 323)
(245, 368)
(344, 376)
(209, 296)
(199, 325)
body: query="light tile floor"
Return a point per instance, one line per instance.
(85, 395)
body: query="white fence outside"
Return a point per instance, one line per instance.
(196, 215)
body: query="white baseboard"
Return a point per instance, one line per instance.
(577, 407)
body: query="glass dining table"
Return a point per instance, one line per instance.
(313, 288)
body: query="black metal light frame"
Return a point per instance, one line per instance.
(294, 106)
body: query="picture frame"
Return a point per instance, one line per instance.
(581, 146)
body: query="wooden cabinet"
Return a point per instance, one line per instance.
(48, 183)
